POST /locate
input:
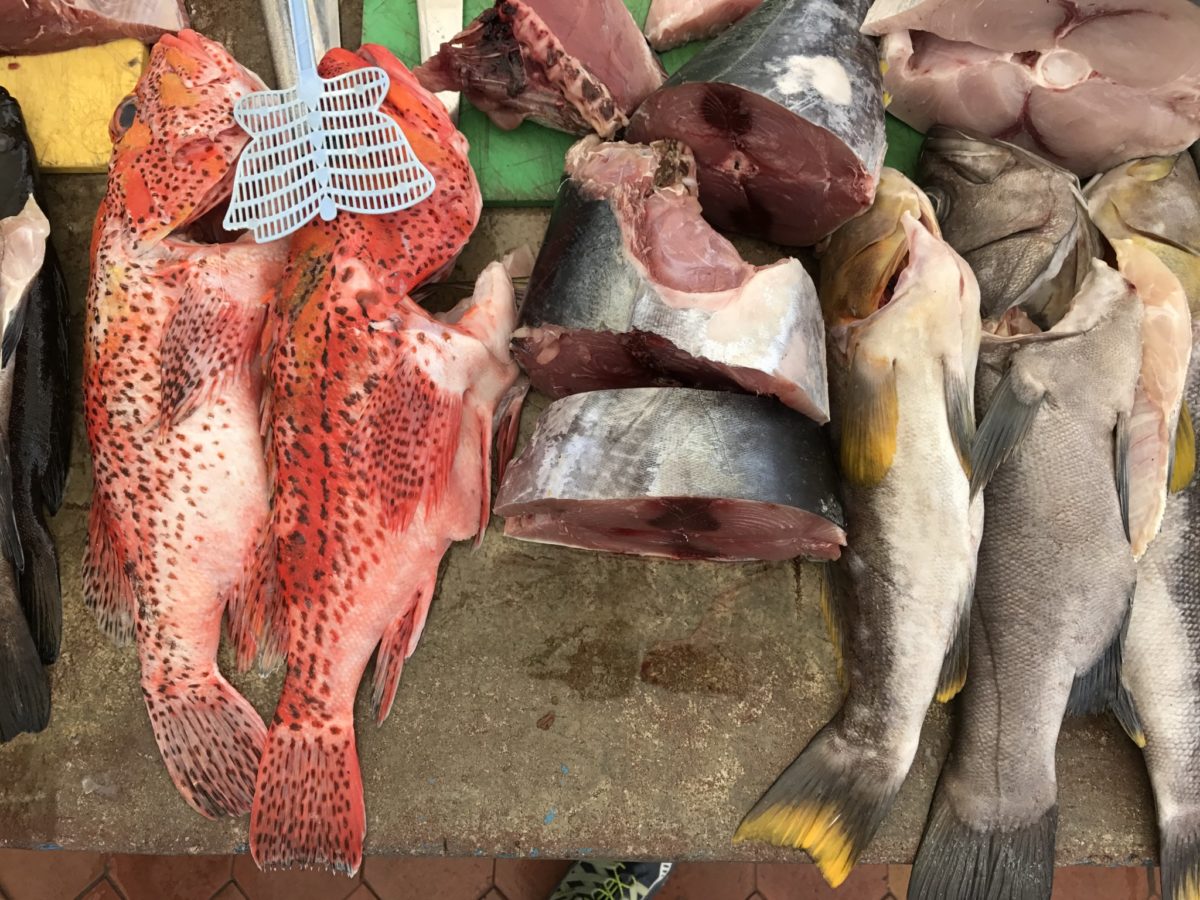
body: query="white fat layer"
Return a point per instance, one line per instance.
(824, 74)
(164, 14)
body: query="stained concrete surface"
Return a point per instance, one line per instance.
(561, 703)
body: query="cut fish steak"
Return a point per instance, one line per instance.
(676, 472)
(633, 288)
(673, 22)
(42, 26)
(785, 115)
(574, 66)
(1087, 84)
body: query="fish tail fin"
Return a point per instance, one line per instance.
(210, 737)
(24, 687)
(1180, 857)
(829, 803)
(255, 613)
(398, 643)
(958, 862)
(308, 804)
(41, 591)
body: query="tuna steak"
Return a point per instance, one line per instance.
(785, 115)
(1075, 82)
(172, 404)
(41, 26)
(679, 473)
(577, 67)
(633, 289)
(673, 22)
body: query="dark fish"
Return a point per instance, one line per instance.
(785, 115)
(1053, 587)
(1019, 221)
(674, 472)
(574, 66)
(633, 288)
(902, 310)
(24, 688)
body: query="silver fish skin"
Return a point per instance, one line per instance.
(1019, 220)
(902, 371)
(675, 472)
(1055, 578)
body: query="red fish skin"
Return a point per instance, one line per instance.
(381, 429)
(172, 406)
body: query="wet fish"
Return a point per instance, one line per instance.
(177, 527)
(633, 288)
(673, 22)
(1072, 81)
(902, 310)
(24, 687)
(1019, 221)
(42, 26)
(674, 472)
(576, 67)
(1052, 592)
(382, 423)
(1149, 211)
(785, 115)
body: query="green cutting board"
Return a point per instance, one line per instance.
(523, 167)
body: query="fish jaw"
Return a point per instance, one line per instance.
(175, 140)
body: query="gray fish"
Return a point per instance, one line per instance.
(785, 114)
(1020, 221)
(903, 315)
(632, 288)
(1054, 582)
(675, 472)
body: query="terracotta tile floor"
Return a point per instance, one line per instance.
(60, 875)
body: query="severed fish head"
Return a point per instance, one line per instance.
(1018, 220)
(1154, 202)
(175, 142)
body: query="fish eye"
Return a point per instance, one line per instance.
(939, 201)
(123, 117)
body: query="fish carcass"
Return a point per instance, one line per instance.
(903, 312)
(678, 473)
(576, 67)
(1048, 615)
(633, 288)
(42, 26)
(24, 688)
(381, 419)
(1019, 221)
(673, 22)
(177, 527)
(1075, 82)
(785, 115)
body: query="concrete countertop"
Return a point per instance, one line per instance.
(561, 704)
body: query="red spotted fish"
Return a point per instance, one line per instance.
(381, 429)
(172, 404)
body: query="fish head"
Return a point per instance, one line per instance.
(175, 141)
(862, 260)
(16, 157)
(1154, 202)
(1019, 220)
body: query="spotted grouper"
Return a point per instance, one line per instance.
(381, 428)
(179, 513)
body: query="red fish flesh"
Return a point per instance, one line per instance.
(674, 22)
(785, 115)
(633, 288)
(173, 414)
(1086, 84)
(577, 67)
(381, 429)
(674, 472)
(42, 26)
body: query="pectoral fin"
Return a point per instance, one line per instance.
(960, 412)
(1121, 467)
(1006, 424)
(870, 417)
(1183, 455)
